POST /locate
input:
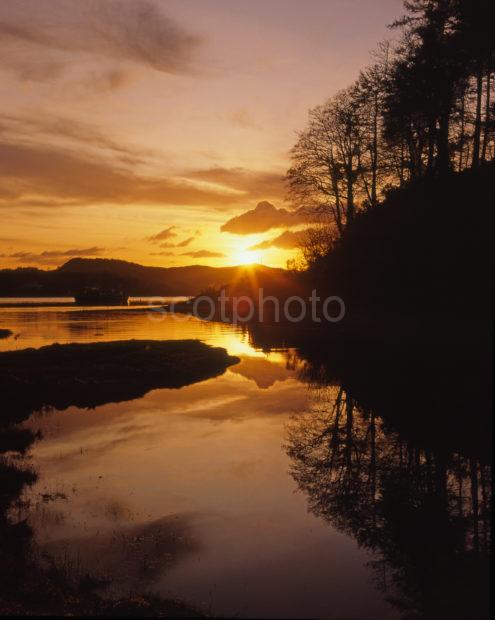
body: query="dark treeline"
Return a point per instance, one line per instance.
(398, 170)
(423, 108)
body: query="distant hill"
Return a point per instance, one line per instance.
(133, 278)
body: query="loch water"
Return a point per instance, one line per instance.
(268, 491)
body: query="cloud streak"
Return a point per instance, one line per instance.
(257, 184)
(203, 254)
(50, 129)
(38, 175)
(39, 38)
(53, 257)
(286, 240)
(185, 242)
(167, 233)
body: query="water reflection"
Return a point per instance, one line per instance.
(267, 370)
(39, 326)
(424, 513)
(186, 492)
(90, 375)
(209, 453)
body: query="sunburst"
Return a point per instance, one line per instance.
(246, 257)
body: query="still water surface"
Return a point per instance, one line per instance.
(199, 493)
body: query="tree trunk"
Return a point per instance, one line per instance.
(462, 137)
(350, 197)
(402, 163)
(431, 145)
(443, 143)
(477, 122)
(474, 502)
(334, 179)
(413, 167)
(349, 429)
(374, 154)
(486, 130)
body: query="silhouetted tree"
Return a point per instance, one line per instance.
(317, 240)
(327, 159)
(369, 92)
(339, 162)
(425, 107)
(423, 84)
(475, 49)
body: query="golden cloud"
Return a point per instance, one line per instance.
(286, 240)
(264, 217)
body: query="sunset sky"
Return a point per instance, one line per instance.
(149, 130)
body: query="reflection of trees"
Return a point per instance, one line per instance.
(424, 513)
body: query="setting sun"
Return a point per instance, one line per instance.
(246, 257)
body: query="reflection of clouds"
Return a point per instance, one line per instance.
(206, 447)
(83, 444)
(250, 401)
(117, 510)
(262, 371)
(211, 454)
(235, 395)
(133, 556)
(247, 468)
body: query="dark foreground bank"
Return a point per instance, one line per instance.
(88, 375)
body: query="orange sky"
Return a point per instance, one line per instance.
(137, 129)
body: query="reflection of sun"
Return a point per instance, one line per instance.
(238, 344)
(246, 257)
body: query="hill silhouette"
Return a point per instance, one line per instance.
(133, 278)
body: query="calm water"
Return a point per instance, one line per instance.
(221, 493)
